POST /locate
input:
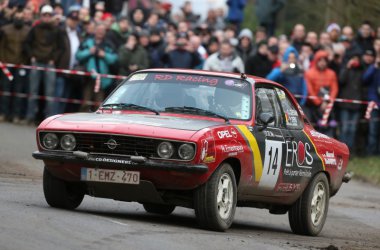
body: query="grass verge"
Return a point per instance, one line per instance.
(366, 169)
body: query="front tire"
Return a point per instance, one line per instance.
(158, 208)
(215, 201)
(61, 194)
(308, 214)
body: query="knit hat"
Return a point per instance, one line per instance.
(246, 33)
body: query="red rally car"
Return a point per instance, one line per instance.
(203, 140)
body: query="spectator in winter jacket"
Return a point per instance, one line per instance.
(298, 36)
(132, 56)
(225, 60)
(156, 49)
(322, 82)
(97, 56)
(365, 38)
(182, 55)
(371, 77)
(12, 38)
(259, 64)
(350, 79)
(290, 74)
(245, 47)
(43, 47)
(118, 33)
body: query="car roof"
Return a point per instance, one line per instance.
(255, 79)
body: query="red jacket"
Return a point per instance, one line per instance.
(316, 79)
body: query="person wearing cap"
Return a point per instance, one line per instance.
(132, 56)
(182, 55)
(67, 60)
(350, 87)
(12, 38)
(371, 78)
(245, 46)
(44, 47)
(225, 60)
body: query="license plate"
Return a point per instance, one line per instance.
(108, 175)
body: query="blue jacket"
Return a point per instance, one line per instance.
(295, 83)
(372, 78)
(236, 10)
(92, 62)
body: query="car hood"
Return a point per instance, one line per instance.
(132, 124)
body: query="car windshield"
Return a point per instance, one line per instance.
(227, 98)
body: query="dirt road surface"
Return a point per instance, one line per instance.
(27, 222)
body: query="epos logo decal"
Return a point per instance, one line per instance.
(227, 133)
(298, 154)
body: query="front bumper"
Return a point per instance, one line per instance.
(131, 162)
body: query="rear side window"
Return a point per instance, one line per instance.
(292, 118)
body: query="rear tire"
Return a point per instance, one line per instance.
(308, 214)
(158, 208)
(215, 201)
(61, 194)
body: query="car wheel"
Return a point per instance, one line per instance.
(308, 214)
(158, 208)
(215, 201)
(61, 194)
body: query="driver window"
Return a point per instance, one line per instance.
(266, 102)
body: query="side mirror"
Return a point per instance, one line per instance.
(266, 118)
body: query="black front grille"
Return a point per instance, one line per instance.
(126, 145)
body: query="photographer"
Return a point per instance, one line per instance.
(182, 55)
(97, 56)
(371, 77)
(290, 74)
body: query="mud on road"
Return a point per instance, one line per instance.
(27, 222)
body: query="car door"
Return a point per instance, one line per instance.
(270, 140)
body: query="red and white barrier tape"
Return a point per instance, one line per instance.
(326, 114)
(4, 66)
(48, 98)
(370, 107)
(6, 72)
(62, 71)
(97, 81)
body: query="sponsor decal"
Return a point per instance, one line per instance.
(340, 163)
(318, 135)
(209, 159)
(329, 158)
(227, 133)
(138, 77)
(208, 150)
(297, 172)
(298, 154)
(238, 84)
(187, 78)
(112, 160)
(288, 187)
(232, 149)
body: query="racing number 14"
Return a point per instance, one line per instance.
(272, 163)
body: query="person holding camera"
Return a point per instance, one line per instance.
(182, 54)
(290, 74)
(371, 77)
(97, 56)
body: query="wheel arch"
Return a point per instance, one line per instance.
(236, 167)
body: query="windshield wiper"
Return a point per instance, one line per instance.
(130, 106)
(200, 111)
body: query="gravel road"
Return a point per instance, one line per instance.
(27, 222)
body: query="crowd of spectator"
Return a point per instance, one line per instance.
(120, 37)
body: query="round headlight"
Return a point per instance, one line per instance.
(50, 141)
(68, 142)
(165, 150)
(186, 151)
